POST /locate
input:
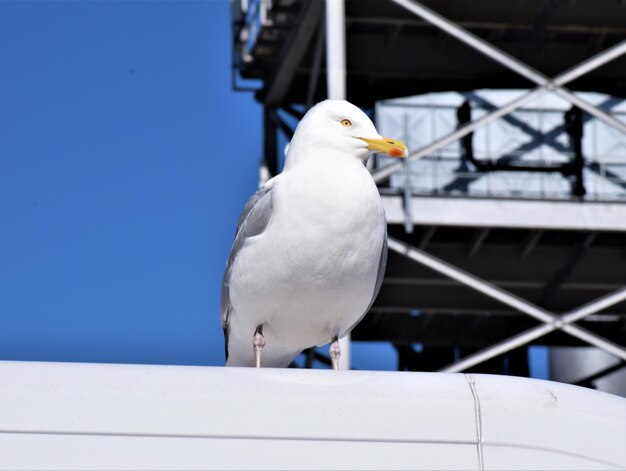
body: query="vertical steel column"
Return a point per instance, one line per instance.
(336, 80)
(336, 49)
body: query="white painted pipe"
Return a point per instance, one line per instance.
(336, 49)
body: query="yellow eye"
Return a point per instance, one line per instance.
(346, 123)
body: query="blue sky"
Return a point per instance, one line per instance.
(124, 161)
(125, 158)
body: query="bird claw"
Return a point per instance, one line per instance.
(258, 342)
(335, 353)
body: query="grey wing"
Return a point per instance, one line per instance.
(253, 221)
(382, 265)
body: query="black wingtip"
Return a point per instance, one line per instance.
(226, 332)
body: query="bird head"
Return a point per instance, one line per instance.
(339, 125)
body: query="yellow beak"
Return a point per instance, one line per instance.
(387, 146)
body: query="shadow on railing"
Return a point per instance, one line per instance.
(544, 152)
(446, 175)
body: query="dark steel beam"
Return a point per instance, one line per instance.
(450, 329)
(489, 25)
(606, 316)
(530, 243)
(561, 275)
(509, 284)
(430, 232)
(290, 110)
(270, 141)
(293, 50)
(477, 241)
(282, 125)
(393, 36)
(316, 66)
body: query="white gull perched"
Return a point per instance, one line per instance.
(311, 245)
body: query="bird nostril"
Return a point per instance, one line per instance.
(390, 142)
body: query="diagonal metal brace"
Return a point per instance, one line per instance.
(514, 64)
(545, 84)
(551, 321)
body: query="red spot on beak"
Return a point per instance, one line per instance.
(396, 152)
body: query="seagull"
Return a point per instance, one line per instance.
(311, 245)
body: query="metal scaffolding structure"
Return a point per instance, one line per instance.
(551, 322)
(575, 276)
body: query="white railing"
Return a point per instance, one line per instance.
(529, 136)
